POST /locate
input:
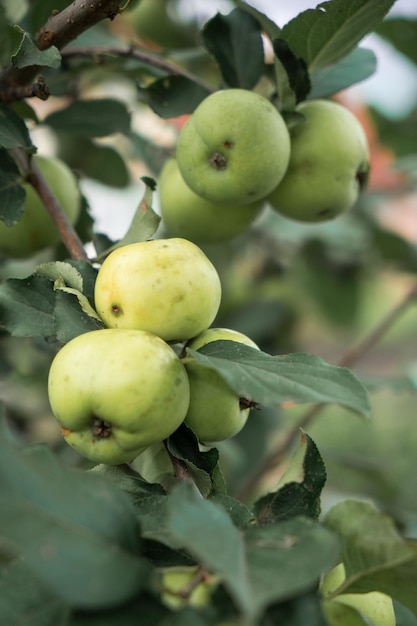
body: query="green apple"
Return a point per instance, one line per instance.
(158, 22)
(165, 286)
(374, 608)
(235, 147)
(116, 392)
(328, 167)
(175, 582)
(188, 215)
(36, 229)
(215, 411)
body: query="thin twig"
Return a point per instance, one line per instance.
(34, 177)
(139, 55)
(349, 358)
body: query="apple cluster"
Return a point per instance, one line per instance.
(118, 390)
(236, 154)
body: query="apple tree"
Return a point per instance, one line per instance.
(162, 389)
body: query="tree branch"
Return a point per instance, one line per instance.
(61, 28)
(139, 55)
(349, 358)
(35, 178)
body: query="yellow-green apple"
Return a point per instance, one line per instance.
(176, 590)
(374, 607)
(329, 164)
(116, 392)
(36, 229)
(157, 22)
(216, 412)
(235, 147)
(188, 215)
(165, 286)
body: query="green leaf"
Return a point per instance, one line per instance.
(268, 26)
(286, 560)
(400, 32)
(376, 556)
(28, 53)
(203, 466)
(207, 532)
(71, 318)
(143, 225)
(235, 42)
(299, 489)
(27, 307)
(91, 118)
(64, 521)
(172, 96)
(10, 38)
(13, 131)
(240, 515)
(303, 610)
(273, 380)
(324, 35)
(61, 270)
(25, 600)
(296, 74)
(12, 194)
(352, 69)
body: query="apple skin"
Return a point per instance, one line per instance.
(36, 230)
(116, 392)
(234, 149)
(165, 286)
(328, 167)
(152, 21)
(176, 579)
(188, 215)
(374, 606)
(214, 412)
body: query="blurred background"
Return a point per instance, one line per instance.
(291, 287)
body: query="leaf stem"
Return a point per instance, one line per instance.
(34, 177)
(348, 358)
(180, 468)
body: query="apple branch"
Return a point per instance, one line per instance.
(34, 177)
(131, 52)
(348, 359)
(61, 28)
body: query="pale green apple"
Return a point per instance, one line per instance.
(175, 582)
(36, 229)
(116, 392)
(374, 608)
(158, 22)
(216, 412)
(235, 147)
(328, 167)
(188, 215)
(165, 286)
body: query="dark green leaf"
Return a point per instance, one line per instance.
(376, 556)
(296, 70)
(89, 275)
(10, 38)
(13, 131)
(27, 307)
(235, 42)
(268, 26)
(306, 609)
(324, 35)
(91, 118)
(76, 531)
(25, 600)
(240, 515)
(203, 466)
(70, 319)
(207, 532)
(12, 194)
(355, 67)
(401, 32)
(285, 560)
(172, 96)
(273, 380)
(102, 163)
(29, 54)
(299, 490)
